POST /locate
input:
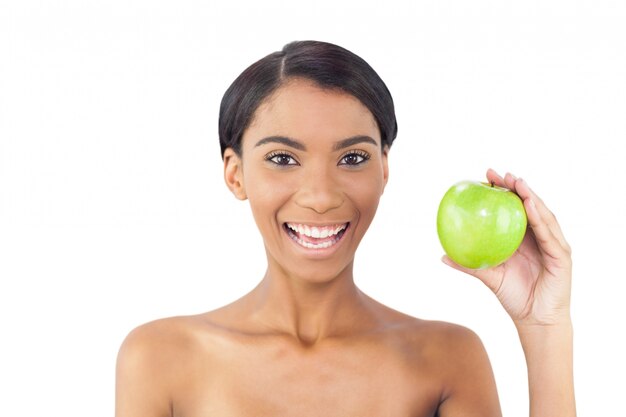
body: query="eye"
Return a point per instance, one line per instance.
(281, 158)
(354, 158)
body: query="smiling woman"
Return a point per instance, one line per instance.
(305, 135)
(312, 158)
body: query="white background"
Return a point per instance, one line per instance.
(113, 210)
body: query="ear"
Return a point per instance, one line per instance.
(385, 156)
(233, 174)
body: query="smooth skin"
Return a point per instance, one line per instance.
(306, 341)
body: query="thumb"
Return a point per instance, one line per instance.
(489, 276)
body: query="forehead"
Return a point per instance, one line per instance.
(302, 110)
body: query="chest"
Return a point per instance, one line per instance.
(260, 382)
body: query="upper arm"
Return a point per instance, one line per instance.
(140, 385)
(470, 388)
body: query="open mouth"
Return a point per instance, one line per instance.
(315, 237)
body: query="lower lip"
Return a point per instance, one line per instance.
(317, 251)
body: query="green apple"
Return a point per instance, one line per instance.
(480, 225)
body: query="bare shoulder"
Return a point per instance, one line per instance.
(434, 338)
(151, 364)
(452, 359)
(169, 345)
(155, 339)
(462, 366)
(447, 338)
(437, 343)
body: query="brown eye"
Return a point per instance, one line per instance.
(354, 158)
(281, 159)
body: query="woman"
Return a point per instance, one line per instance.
(305, 134)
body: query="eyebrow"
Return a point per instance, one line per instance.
(344, 143)
(282, 139)
(353, 141)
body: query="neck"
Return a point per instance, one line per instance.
(308, 311)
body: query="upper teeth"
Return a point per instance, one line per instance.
(316, 232)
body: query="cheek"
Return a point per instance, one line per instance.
(365, 193)
(266, 194)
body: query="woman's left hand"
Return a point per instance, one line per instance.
(534, 284)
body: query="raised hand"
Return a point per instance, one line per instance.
(534, 284)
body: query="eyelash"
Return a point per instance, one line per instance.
(357, 152)
(364, 156)
(270, 156)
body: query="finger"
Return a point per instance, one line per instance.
(548, 243)
(510, 180)
(522, 189)
(494, 178)
(491, 277)
(525, 192)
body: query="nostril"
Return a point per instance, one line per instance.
(319, 201)
(320, 206)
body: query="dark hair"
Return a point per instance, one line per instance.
(329, 66)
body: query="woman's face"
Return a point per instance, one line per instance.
(313, 170)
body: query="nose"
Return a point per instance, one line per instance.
(319, 191)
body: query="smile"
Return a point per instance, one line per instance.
(315, 237)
